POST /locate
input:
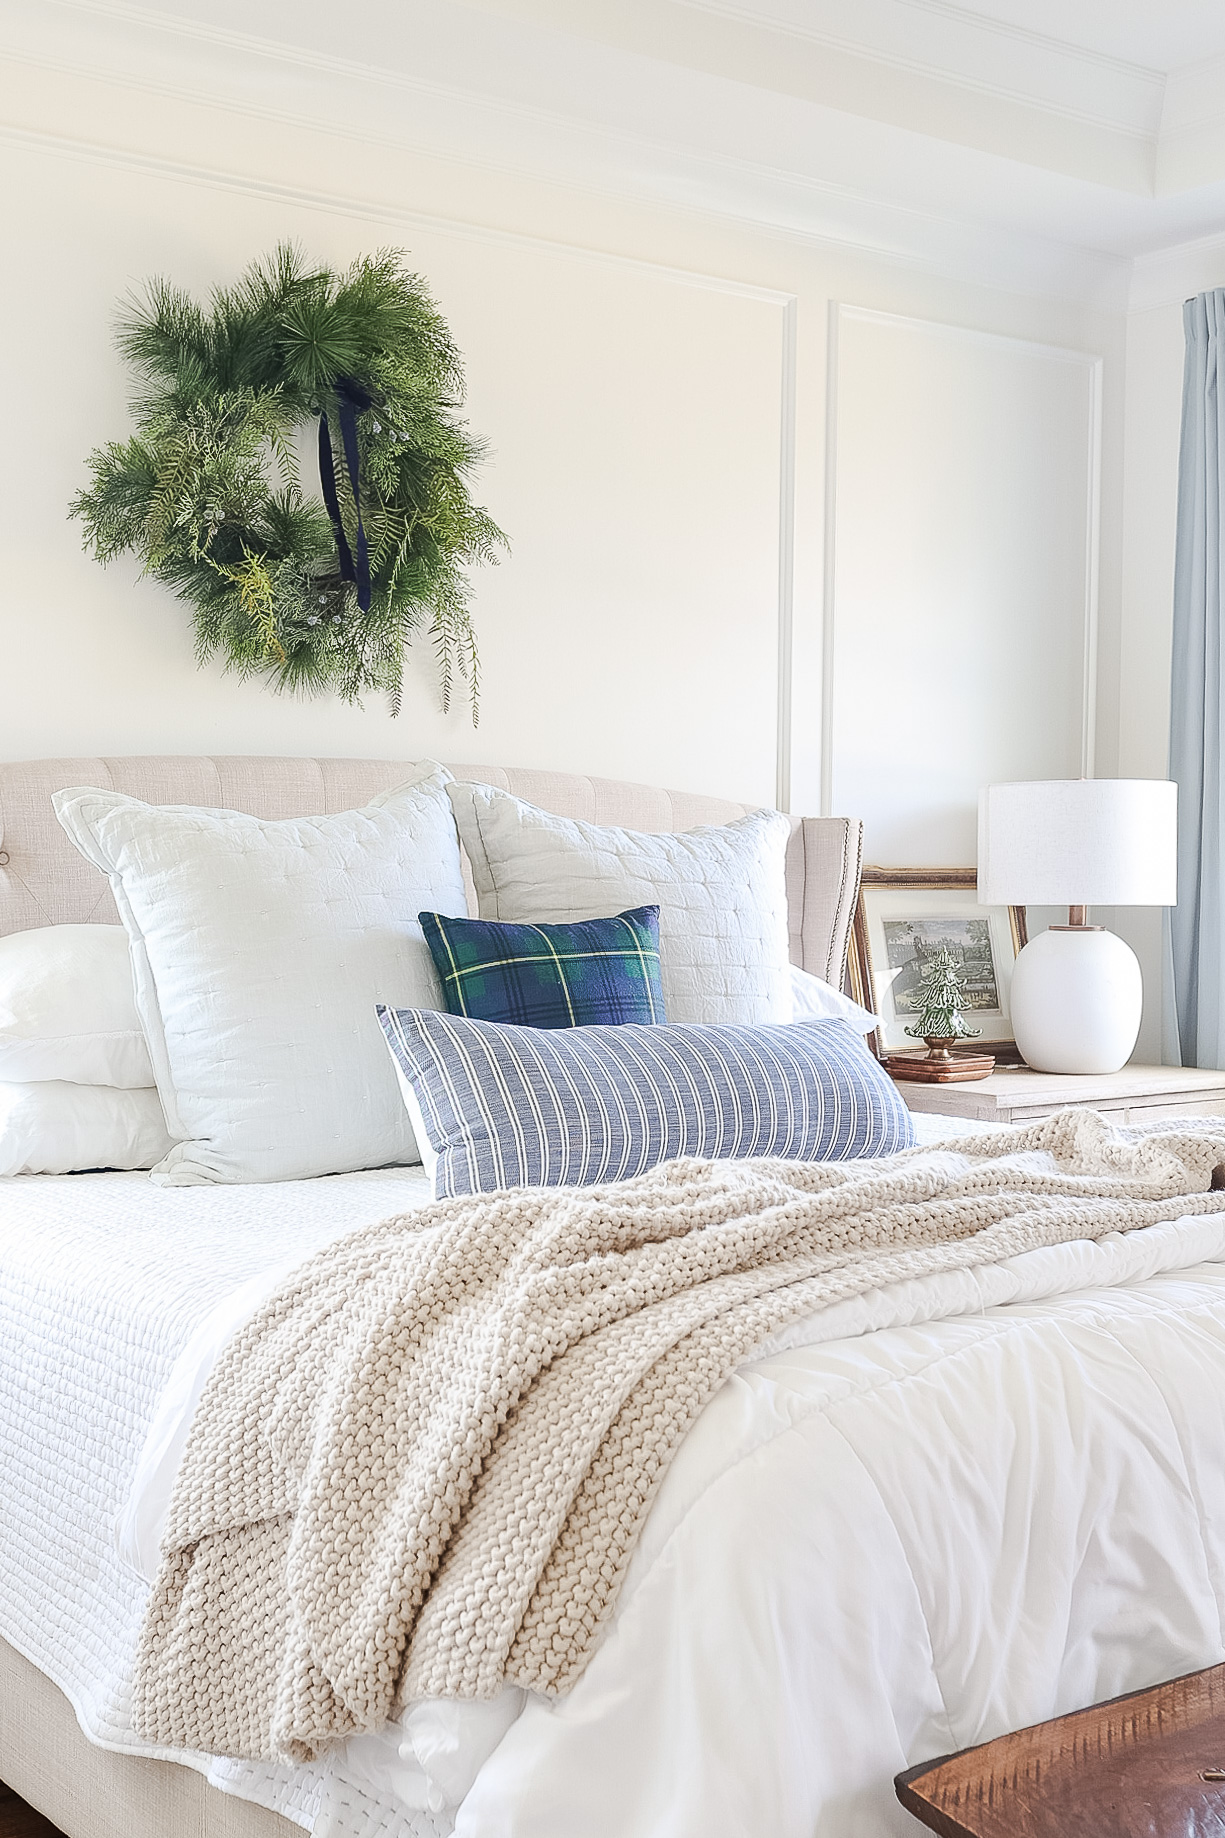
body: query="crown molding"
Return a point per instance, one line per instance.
(1194, 97)
(1135, 117)
(173, 30)
(961, 101)
(77, 99)
(1128, 97)
(1026, 35)
(1167, 277)
(115, 50)
(1179, 116)
(1191, 147)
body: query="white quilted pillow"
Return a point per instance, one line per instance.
(721, 892)
(260, 949)
(67, 1007)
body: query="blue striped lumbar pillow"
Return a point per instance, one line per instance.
(495, 1106)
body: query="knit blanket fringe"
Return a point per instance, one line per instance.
(421, 1468)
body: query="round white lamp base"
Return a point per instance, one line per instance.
(1076, 995)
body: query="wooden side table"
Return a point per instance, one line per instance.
(1138, 1094)
(1149, 1765)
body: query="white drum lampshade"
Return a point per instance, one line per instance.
(1076, 990)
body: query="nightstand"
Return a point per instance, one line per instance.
(1138, 1094)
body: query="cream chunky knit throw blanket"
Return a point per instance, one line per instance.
(421, 1468)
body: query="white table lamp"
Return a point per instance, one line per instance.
(1076, 990)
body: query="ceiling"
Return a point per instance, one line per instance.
(1041, 143)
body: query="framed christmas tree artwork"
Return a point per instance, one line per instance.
(912, 923)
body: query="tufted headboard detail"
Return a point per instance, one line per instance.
(44, 881)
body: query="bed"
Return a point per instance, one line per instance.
(858, 1560)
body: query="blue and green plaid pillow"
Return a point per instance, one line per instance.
(593, 972)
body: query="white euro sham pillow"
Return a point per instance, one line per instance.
(261, 948)
(67, 1007)
(50, 1126)
(813, 999)
(721, 892)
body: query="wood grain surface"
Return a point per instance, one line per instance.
(17, 1820)
(1131, 1768)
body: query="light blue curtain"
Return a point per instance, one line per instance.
(1195, 1007)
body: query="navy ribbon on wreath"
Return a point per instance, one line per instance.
(351, 399)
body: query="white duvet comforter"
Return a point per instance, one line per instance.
(929, 1515)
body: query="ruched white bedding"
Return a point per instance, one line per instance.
(929, 1515)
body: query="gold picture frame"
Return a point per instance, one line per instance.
(898, 906)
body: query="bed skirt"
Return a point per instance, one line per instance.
(98, 1793)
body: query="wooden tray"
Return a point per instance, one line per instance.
(1150, 1765)
(956, 1071)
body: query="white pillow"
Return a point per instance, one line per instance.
(721, 892)
(260, 950)
(813, 999)
(52, 1127)
(67, 1008)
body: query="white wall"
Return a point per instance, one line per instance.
(654, 385)
(633, 418)
(962, 624)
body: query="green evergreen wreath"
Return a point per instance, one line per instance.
(207, 491)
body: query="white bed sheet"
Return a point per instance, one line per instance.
(935, 1513)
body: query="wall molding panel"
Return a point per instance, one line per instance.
(962, 502)
(788, 413)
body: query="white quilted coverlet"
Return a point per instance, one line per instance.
(103, 1278)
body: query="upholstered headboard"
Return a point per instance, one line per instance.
(43, 880)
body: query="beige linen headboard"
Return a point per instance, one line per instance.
(44, 881)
